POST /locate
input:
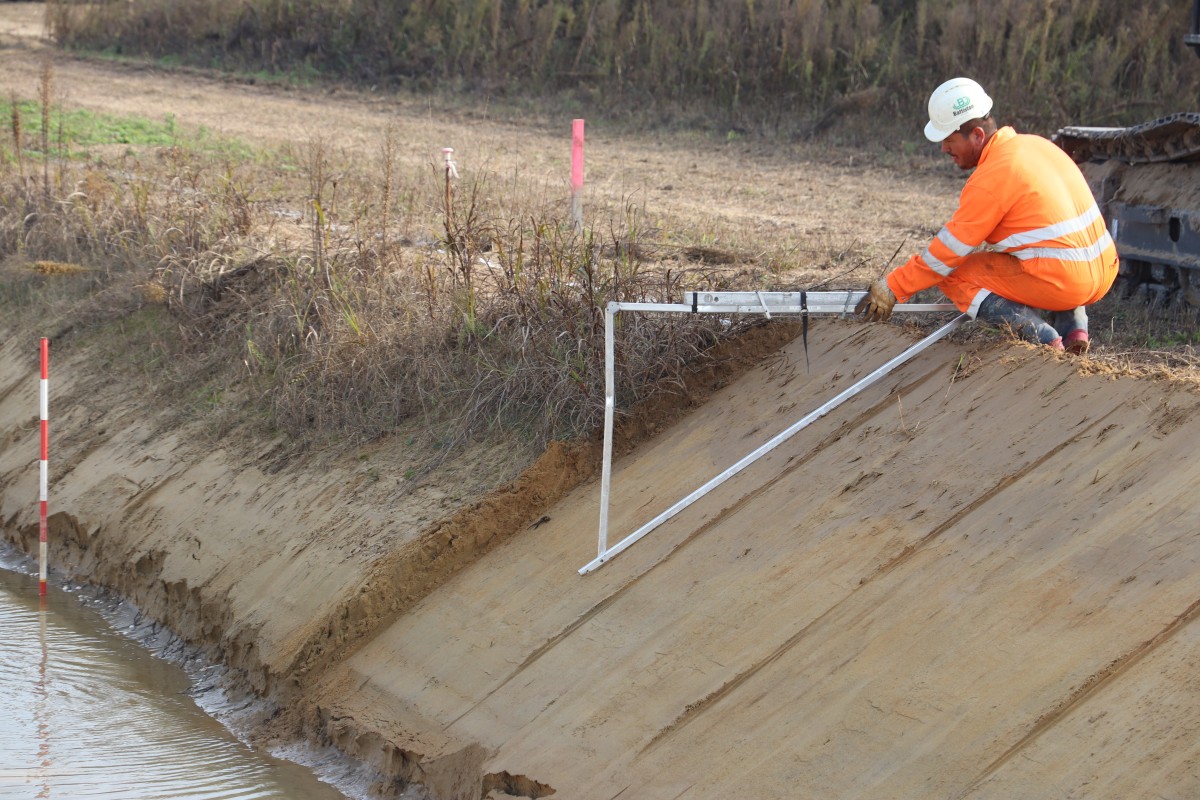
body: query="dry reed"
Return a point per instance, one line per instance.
(775, 64)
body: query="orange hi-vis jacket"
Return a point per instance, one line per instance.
(1044, 242)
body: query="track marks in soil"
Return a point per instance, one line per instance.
(1086, 690)
(796, 462)
(551, 643)
(792, 465)
(1008, 480)
(694, 710)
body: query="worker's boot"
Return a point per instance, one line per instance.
(1077, 342)
(1024, 321)
(1073, 325)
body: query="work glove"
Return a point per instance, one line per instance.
(878, 304)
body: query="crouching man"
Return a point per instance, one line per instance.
(1027, 236)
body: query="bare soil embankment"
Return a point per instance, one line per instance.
(978, 579)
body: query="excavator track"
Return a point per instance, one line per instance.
(1172, 138)
(1146, 179)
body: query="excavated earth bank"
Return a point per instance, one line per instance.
(280, 568)
(979, 578)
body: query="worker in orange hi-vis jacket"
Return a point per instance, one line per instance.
(1027, 237)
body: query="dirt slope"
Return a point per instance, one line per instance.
(980, 584)
(977, 579)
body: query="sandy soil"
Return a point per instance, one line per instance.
(975, 582)
(977, 579)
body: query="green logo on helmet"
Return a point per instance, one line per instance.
(961, 103)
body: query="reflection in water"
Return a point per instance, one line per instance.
(43, 725)
(87, 713)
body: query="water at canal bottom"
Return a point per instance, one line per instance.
(86, 712)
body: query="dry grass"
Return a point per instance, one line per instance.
(349, 323)
(352, 321)
(773, 65)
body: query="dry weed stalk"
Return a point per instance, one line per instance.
(318, 177)
(389, 180)
(18, 139)
(904, 429)
(46, 96)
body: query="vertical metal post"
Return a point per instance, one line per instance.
(610, 318)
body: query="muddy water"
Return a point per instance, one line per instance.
(87, 713)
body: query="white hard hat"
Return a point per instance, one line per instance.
(953, 103)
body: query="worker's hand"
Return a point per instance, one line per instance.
(878, 303)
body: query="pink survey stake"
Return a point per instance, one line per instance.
(576, 156)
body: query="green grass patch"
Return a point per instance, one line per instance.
(76, 132)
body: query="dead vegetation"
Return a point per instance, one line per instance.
(775, 65)
(342, 320)
(340, 299)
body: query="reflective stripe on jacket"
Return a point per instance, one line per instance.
(1026, 197)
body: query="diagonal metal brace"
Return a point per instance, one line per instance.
(606, 553)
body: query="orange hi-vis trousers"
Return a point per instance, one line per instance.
(1041, 283)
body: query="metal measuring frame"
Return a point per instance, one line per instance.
(766, 303)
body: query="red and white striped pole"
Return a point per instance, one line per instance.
(43, 488)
